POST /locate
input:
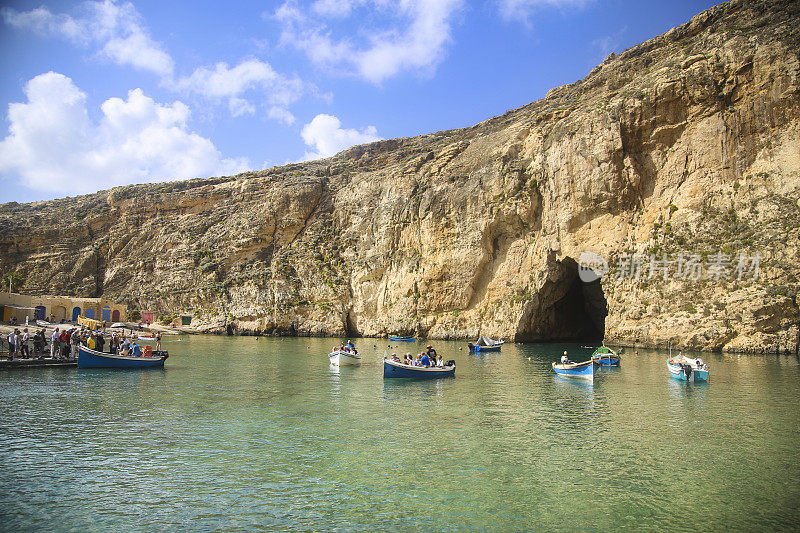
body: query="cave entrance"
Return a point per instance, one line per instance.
(350, 324)
(565, 309)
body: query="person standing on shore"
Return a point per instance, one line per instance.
(75, 341)
(24, 350)
(64, 343)
(12, 344)
(55, 342)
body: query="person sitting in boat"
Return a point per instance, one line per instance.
(439, 362)
(425, 360)
(395, 358)
(564, 359)
(136, 351)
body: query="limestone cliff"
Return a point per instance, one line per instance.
(686, 144)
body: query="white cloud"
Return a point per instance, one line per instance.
(114, 29)
(521, 10)
(43, 22)
(53, 145)
(137, 50)
(335, 8)
(414, 38)
(224, 82)
(325, 134)
(281, 114)
(239, 107)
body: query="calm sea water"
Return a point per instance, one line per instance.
(246, 434)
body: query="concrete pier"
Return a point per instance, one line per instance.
(5, 364)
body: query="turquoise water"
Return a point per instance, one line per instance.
(245, 434)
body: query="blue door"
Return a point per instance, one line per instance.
(40, 310)
(106, 314)
(90, 313)
(76, 311)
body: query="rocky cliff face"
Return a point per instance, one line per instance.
(679, 152)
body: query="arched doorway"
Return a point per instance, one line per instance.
(106, 314)
(115, 315)
(60, 313)
(40, 311)
(90, 312)
(76, 312)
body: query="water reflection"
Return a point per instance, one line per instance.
(277, 438)
(399, 390)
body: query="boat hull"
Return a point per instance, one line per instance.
(583, 370)
(392, 369)
(606, 360)
(402, 339)
(697, 376)
(605, 356)
(93, 359)
(341, 358)
(480, 349)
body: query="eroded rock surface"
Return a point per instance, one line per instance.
(686, 144)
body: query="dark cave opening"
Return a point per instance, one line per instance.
(566, 309)
(350, 324)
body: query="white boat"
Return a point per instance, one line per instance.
(342, 357)
(686, 369)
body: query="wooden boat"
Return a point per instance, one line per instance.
(584, 370)
(685, 369)
(342, 357)
(393, 369)
(485, 344)
(93, 359)
(402, 339)
(605, 356)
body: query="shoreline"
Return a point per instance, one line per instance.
(5, 329)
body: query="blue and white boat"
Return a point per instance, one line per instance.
(485, 344)
(583, 370)
(686, 369)
(605, 356)
(93, 359)
(393, 369)
(402, 339)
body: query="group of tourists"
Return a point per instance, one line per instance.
(122, 345)
(64, 343)
(427, 359)
(348, 347)
(19, 343)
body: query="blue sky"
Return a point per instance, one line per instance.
(103, 93)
